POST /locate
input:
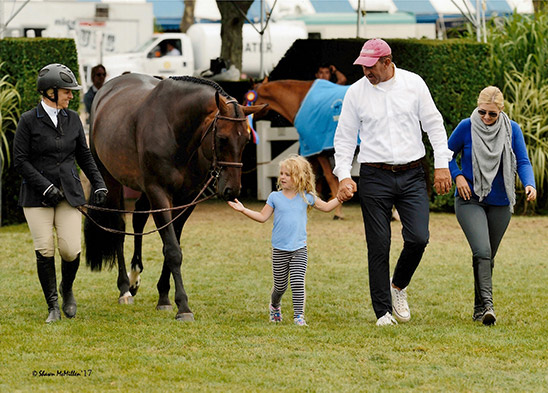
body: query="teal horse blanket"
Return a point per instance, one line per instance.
(317, 118)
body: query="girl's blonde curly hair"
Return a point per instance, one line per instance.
(301, 174)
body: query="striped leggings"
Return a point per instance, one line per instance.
(289, 265)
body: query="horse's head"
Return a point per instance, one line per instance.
(256, 96)
(230, 134)
(282, 96)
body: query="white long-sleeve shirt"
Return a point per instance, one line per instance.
(388, 117)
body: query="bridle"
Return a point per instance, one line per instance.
(216, 164)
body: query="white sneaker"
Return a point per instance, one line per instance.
(386, 319)
(400, 308)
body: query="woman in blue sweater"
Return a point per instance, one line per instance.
(492, 149)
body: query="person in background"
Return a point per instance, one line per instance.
(48, 144)
(492, 149)
(172, 50)
(98, 75)
(295, 195)
(387, 108)
(331, 73)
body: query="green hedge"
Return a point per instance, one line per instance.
(454, 70)
(23, 58)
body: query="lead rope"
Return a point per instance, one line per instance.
(214, 175)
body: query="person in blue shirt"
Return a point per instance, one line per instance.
(492, 149)
(295, 195)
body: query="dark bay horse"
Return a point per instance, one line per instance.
(286, 97)
(166, 139)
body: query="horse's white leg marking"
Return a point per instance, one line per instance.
(134, 278)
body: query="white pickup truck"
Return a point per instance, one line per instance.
(201, 44)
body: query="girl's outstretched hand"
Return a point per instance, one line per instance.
(236, 205)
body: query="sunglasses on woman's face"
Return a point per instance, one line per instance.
(492, 115)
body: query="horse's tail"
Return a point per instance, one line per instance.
(103, 247)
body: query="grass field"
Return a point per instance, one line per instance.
(232, 347)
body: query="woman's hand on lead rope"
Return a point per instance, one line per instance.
(100, 197)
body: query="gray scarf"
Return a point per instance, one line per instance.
(492, 145)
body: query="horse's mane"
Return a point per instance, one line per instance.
(201, 81)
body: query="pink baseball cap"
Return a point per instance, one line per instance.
(371, 51)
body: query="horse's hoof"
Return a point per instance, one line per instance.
(125, 300)
(164, 307)
(134, 282)
(335, 217)
(185, 317)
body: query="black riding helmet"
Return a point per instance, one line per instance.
(56, 76)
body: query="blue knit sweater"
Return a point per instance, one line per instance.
(460, 142)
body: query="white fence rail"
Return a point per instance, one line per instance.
(268, 166)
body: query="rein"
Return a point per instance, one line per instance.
(183, 207)
(216, 167)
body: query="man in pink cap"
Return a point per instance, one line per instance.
(387, 109)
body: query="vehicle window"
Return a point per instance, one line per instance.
(143, 46)
(171, 47)
(155, 52)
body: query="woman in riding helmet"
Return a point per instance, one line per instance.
(49, 142)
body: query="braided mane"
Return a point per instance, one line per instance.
(201, 81)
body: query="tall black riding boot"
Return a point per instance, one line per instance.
(68, 270)
(46, 275)
(478, 303)
(483, 271)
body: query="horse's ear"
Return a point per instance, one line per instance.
(248, 110)
(222, 105)
(265, 80)
(217, 100)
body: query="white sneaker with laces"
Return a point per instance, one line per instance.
(400, 308)
(386, 319)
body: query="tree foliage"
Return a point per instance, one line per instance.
(519, 64)
(9, 115)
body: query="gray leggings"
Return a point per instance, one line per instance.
(484, 225)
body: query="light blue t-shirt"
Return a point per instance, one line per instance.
(289, 230)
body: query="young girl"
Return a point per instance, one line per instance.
(296, 185)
